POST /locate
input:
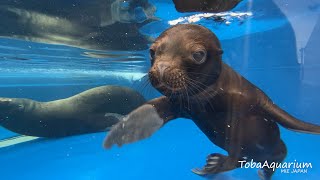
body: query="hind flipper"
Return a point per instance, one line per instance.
(141, 123)
(280, 116)
(278, 155)
(113, 118)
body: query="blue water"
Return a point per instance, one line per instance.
(277, 49)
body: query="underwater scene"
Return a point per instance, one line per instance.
(159, 89)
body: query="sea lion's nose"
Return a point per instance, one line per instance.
(161, 68)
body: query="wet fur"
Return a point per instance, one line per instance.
(233, 113)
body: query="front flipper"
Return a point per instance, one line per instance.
(141, 123)
(217, 163)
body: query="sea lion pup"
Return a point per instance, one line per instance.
(233, 113)
(212, 6)
(87, 112)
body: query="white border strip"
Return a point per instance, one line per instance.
(227, 16)
(16, 140)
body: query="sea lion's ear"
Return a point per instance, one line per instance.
(220, 52)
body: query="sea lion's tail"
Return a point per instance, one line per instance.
(286, 120)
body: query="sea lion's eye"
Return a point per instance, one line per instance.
(199, 56)
(152, 54)
(124, 5)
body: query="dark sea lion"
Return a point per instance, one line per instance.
(95, 24)
(212, 6)
(90, 111)
(233, 113)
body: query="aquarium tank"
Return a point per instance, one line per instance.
(73, 72)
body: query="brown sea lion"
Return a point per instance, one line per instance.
(94, 110)
(233, 113)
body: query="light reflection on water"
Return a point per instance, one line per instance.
(31, 59)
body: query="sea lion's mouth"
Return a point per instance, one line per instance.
(168, 83)
(170, 88)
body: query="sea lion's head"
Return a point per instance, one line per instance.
(132, 11)
(185, 60)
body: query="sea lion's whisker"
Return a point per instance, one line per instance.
(204, 74)
(180, 101)
(186, 91)
(142, 79)
(184, 102)
(196, 97)
(194, 93)
(203, 91)
(203, 86)
(172, 94)
(140, 83)
(147, 87)
(198, 82)
(144, 85)
(197, 87)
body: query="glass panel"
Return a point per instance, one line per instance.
(78, 75)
